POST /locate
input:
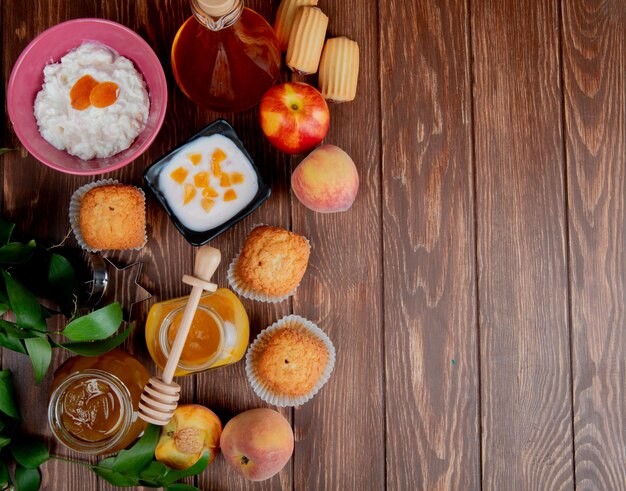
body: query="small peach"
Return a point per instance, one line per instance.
(326, 181)
(192, 430)
(257, 443)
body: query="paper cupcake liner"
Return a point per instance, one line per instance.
(239, 286)
(263, 389)
(74, 212)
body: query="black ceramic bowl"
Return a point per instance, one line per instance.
(151, 176)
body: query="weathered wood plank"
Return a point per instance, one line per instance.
(340, 433)
(594, 61)
(521, 246)
(428, 234)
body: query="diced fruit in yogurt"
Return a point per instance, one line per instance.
(79, 94)
(198, 200)
(195, 158)
(217, 169)
(209, 192)
(179, 175)
(190, 193)
(207, 204)
(201, 179)
(218, 156)
(104, 94)
(225, 180)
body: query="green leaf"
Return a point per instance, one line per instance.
(197, 468)
(12, 343)
(29, 452)
(14, 331)
(40, 353)
(4, 475)
(24, 304)
(4, 441)
(154, 472)
(139, 456)
(181, 487)
(100, 324)
(6, 229)
(4, 308)
(8, 404)
(26, 479)
(95, 348)
(5, 150)
(16, 252)
(115, 478)
(62, 278)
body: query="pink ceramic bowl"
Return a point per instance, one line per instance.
(27, 78)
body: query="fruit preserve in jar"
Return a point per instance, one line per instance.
(218, 335)
(94, 400)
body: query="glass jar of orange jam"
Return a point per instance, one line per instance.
(94, 400)
(218, 335)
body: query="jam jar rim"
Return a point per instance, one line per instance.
(66, 438)
(165, 346)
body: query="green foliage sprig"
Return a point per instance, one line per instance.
(133, 467)
(28, 272)
(19, 453)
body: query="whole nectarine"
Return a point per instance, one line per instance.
(192, 430)
(294, 116)
(257, 443)
(326, 181)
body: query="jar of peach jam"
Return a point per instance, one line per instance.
(218, 335)
(94, 400)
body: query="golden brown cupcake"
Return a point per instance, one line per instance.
(293, 361)
(290, 361)
(270, 265)
(112, 217)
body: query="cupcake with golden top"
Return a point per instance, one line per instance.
(270, 265)
(107, 215)
(290, 361)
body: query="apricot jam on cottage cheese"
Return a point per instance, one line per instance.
(207, 182)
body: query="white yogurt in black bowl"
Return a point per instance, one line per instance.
(207, 184)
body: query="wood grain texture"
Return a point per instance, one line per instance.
(339, 434)
(432, 394)
(594, 64)
(521, 246)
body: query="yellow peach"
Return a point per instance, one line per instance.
(192, 430)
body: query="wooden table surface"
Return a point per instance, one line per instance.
(476, 290)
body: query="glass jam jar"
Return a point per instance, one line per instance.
(94, 400)
(218, 335)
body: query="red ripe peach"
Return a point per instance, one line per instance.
(257, 443)
(326, 181)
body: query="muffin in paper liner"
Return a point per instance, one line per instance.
(262, 388)
(243, 290)
(74, 212)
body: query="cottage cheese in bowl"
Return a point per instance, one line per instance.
(93, 104)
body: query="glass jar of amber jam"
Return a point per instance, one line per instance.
(94, 400)
(218, 335)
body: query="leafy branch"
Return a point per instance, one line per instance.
(133, 467)
(29, 272)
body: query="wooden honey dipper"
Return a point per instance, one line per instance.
(160, 395)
